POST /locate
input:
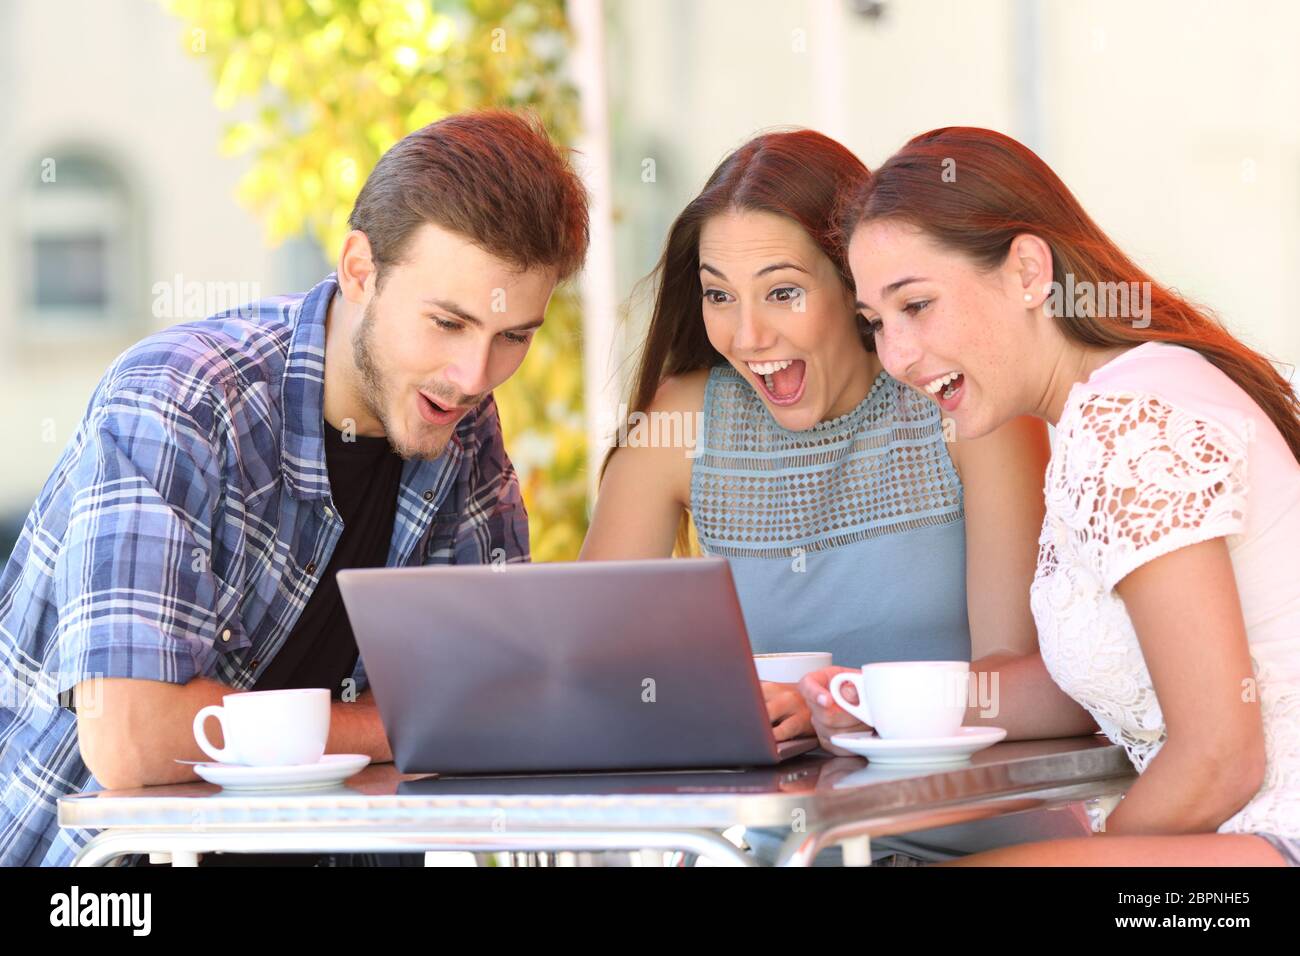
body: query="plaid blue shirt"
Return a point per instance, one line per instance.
(186, 525)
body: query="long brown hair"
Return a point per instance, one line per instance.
(973, 191)
(799, 174)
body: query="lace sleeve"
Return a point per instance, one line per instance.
(1143, 478)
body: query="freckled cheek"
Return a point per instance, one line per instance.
(999, 347)
(969, 345)
(995, 376)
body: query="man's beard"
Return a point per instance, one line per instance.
(375, 392)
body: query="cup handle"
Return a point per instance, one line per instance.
(200, 735)
(858, 710)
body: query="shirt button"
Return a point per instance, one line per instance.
(225, 635)
(329, 512)
(428, 496)
(311, 567)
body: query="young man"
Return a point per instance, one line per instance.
(186, 544)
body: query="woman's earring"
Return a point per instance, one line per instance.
(1029, 297)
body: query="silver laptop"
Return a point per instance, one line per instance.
(528, 668)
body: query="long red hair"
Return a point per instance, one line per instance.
(973, 191)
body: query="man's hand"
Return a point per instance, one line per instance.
(356, 728)
(828, 717)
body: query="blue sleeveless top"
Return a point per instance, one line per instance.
(848, 537)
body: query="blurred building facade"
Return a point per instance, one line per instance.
(119, 199)
(1176, 123)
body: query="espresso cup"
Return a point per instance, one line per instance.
(791, 666)
(268, 728)
(908, 699)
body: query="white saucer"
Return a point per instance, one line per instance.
(917, 751)
(332, 769)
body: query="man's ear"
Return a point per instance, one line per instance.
(357, 269)
(1028, 269)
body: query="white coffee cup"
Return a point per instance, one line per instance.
(790, 667)
(269, 728)
(908, 699)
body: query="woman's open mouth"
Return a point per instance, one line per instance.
(781, 382)
(435, 413)
(946, 390)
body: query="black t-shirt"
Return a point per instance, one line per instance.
(321, 651)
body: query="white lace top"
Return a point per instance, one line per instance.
(1159, 450)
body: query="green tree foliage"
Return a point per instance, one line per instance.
(323, 87)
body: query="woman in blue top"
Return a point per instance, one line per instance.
(761, 411)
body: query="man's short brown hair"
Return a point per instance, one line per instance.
(493, 176)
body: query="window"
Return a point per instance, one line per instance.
(78, 260)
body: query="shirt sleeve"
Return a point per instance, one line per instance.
(133, 580)
(1144, 477)
(492, 527)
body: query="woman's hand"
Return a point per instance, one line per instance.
(828, 717)
(786, 710)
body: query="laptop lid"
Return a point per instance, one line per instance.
(561, 666)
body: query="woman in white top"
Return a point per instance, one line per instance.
(1166, 595)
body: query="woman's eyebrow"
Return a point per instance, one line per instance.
(774, 267)
(887, 291)
(780, 265)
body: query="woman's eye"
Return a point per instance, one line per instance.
(916, 306)
(715, 296)
(517, 338)
(447, 324)
(874, 326)
(787, 294)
